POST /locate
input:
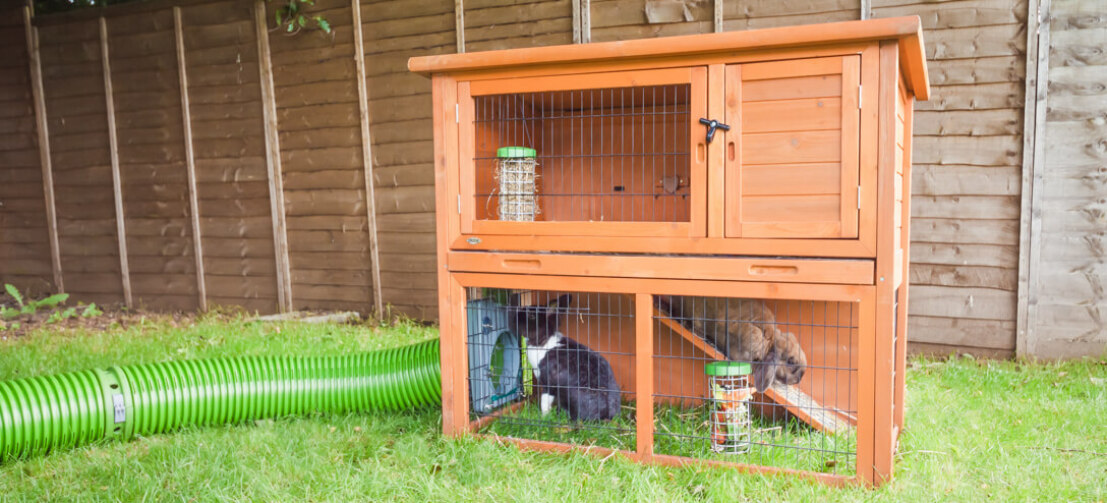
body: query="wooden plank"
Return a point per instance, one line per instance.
(273, 161)
(190, 162)
(42, 129)
(1033, 162)
(585, 21)
(459, 24)
(576, 22)
(717, 18)
(367, 158)
(117, 182)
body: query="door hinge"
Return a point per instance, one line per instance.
(457, 113)
(860, 96)
(459, 204)
(858, 197)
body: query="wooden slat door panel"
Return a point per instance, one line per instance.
(792, 151)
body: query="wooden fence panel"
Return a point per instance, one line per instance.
(149, 127)
(73, 82)
(229, 144)
(24, 238)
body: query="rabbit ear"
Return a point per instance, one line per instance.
(561, 302)
(764, 371)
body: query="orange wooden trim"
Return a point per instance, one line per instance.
(857, 272)
(467, 176)
(914, 68)
(477, 425)
(700, 155)
(866, 388)
(643, 369)
(906, 28)
(821, 248)
(716, 188)
(833, 480)
(904, 289)
(582, 228)
(732, 164)
(454, 359)
(851, 143)
(883, 443)
(665, 61)
(867, 167)
(750, 289)
(451, 337)
(576, 81)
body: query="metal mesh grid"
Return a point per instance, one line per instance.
(615, 154)
(808, 350)
(584, 409)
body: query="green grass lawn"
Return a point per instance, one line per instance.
(976, 431)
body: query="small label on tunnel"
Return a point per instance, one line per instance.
(120, 408)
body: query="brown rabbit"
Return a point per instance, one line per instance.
(744, 330)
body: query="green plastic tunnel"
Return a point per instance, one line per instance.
(61, 411)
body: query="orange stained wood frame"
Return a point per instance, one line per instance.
(864, 264)
(456, 420)
(907, 29)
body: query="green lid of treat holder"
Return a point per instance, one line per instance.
(503, 152)
(724, 369)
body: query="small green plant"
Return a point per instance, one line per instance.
(291, 19)
(91, 311)
(30, 306)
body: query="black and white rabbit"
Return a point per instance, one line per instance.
(567, 373)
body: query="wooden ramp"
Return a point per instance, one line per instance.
(792, 398)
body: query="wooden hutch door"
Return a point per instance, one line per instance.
(792, 153)
(616, 153)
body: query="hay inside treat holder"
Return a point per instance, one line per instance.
(515, 169)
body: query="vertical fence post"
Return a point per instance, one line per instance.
(585, 21)
(117, 182)
(190, 161)
(576, 21)
(367, 158)
(1033, 164)
(273, 161)
(459, 23)
(718, 19)
(35, 62)
(866, 9)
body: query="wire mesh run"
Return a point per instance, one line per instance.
(802, 357)
(615, 154)
(552, 366)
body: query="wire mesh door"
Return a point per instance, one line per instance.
(552, 366)
(622, 158)
(802, 374)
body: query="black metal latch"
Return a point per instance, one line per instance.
(712, 125)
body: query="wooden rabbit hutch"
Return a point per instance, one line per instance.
(669, 203)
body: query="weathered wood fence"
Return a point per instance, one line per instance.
(273, 172)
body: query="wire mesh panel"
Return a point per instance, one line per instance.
(552, 366)
(802, 358)
(614, 154)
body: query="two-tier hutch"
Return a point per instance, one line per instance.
(771, 166)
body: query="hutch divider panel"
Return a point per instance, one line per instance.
(707, 234)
